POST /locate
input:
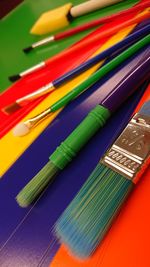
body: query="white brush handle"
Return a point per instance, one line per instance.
(90, 6)
(36, 94)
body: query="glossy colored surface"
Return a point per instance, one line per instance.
(42, 77)
(11, 44)
(19, 144)
(132, 38)
(30, 236)
(127, 243)
(140, 72)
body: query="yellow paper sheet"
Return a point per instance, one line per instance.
(12, 147)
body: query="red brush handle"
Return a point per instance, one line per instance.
(97, 22)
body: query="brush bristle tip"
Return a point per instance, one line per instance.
(37, 185)
(11, 108)
(14, 78)
(21, 129)
(21, 204)
(27, 49)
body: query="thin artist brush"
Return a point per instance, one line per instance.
(106, 33)
(60, 17)
(85, 222)
(86, 26)
(24, 127)
(19, 103)
(92, 123)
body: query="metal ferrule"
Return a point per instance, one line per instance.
(130, 154)
(42, 91)
(35, 120)
(30, 70)
(43, 42)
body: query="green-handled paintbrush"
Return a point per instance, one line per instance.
(89, 216)
(95, 120)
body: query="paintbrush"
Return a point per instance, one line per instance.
(19, 103)
(92, 123)
(85, 222)
(86, 26)
(78, 47)
(60, 17)
(24, 127)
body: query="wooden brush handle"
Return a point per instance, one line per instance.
(90, 6)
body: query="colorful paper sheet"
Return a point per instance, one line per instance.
(19, 144)
(26, 234)
(19, 22)
(32, 237)
(38, 79)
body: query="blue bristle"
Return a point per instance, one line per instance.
(145, 110)
(84, 223)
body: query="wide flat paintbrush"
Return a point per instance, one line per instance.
(24, 128)
(19, 103)
(86, 26)
(106, 33)
(93, 122)
(60, 17)
(89, 216)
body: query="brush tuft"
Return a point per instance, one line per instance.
(38, 183)
(14, 78)
(27, 49)
(21, 129)
(11, 108)
(88, 217)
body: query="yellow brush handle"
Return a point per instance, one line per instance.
(90, 6)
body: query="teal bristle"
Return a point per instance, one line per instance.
(38, 183)
(89, 216)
